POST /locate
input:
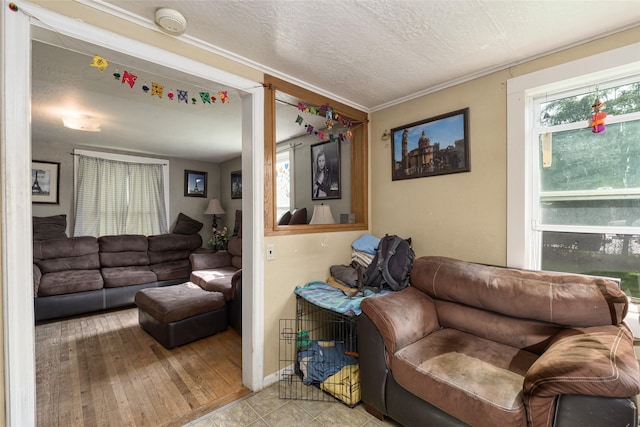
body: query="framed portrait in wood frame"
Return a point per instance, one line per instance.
(45, 182)
(195, 184)
(435, 146)
(325, 170)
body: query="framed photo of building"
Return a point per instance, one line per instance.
(195, 184)
(236, 185)
(325, 170)
(45, 182)
(435, 146)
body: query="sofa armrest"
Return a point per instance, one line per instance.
(594, 361)
(207, 261)
(402, 317)
(37, 275)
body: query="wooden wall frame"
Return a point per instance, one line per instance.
(359, 161)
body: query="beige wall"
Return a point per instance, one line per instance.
(461, 215)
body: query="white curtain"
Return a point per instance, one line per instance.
(116, 197)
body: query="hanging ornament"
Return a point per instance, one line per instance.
(145, 88)
(183, 96)
(13, 7)
(299, 120)
(309, 129)
(116, 75)
(156, 89)
(99, 62)
(206, 98)
(129, 78)
(193, 101)
(597, 121)
(170, 96)
(224, 98)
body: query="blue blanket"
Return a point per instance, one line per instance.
(326, 296)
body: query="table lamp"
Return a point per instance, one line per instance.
(214, 209)
(322, 215)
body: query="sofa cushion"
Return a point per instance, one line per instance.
(476, 380)
(123, 259)
(69, 281)
(123, 243)
(216, 280)
(173, 303)
(49, 227)
(115, 277)
(83, 262)
(186, 225)
(562, 298)
(174, 242)
(172, 270)
(64, 248)
(167, 256)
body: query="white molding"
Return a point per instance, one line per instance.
(615, 63)
(15, 164)
(17, 260)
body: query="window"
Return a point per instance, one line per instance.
(120, 194)
(284, 183)
(587, 209)
(574, 195)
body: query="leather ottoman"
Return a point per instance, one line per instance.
(180, 314)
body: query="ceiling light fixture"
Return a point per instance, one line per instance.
(171, 21)
(81, 122)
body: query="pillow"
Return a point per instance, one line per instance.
(299, 216)
(186, 225)
(49, 227)
(285, 218)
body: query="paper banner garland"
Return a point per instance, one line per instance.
(99, 62)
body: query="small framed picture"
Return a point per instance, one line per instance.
(45, 182)
(195, 184)
(325, 170)
(435, 146)
(236, 185)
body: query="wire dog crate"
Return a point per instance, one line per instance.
(318, 356)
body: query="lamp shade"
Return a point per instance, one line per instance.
(322, 215)
(214, 208)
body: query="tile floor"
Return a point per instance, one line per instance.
(265, 408)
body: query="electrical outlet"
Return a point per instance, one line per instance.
(271, 252)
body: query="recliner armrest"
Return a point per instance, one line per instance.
(207, 261)
(402, 317)
(594, 361)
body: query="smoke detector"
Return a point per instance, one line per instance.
(171, 21)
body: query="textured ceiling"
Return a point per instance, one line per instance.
(368, 54)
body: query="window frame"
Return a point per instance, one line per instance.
(522, 241)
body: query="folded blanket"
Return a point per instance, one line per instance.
(367, 243)
(326, 296)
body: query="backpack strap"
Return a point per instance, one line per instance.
(385, 268)
(377, 271)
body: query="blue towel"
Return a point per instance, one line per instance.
(367, 243)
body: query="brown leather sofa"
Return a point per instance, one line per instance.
(470, 344)
(222, 272)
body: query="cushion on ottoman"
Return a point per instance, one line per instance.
(216, 280)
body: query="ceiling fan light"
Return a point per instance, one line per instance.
(84, 123)
(171, 21)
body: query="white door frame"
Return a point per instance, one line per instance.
(15, 167)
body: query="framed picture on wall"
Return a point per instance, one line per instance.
(45, 182)
(195, 184)
(435, 146)
(236, 185)
(325, 170)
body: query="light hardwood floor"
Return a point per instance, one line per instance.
(104, 370)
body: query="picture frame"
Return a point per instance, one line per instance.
(435, 146)
(195, 184)
(325, 170)
(236, 185)
(45, 182)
